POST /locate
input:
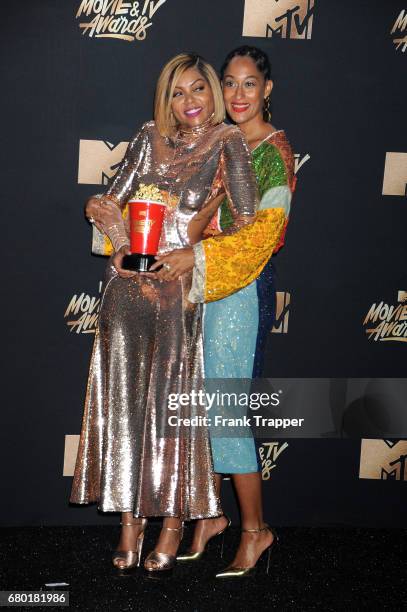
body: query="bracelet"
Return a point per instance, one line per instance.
(121, 245)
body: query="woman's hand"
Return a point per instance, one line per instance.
(173, 264)
(101, 212)
(201, 220)
(118, 260)
(93, 212)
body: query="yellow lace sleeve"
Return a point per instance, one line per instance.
(233, 262)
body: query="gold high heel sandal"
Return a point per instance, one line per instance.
(163, 561)
(131, 558)
(243, 572)
(195, 556)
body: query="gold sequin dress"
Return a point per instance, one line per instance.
(148, 344)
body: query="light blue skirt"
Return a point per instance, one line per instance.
(230, 335)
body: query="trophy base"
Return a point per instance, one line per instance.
(137, 262)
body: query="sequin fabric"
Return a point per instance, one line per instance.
(236, 327)
(232, 262)
(276, 154)
(243, 255)
(148, 344)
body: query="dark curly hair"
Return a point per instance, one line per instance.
(257, 55)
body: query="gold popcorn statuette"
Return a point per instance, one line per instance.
(146, 209)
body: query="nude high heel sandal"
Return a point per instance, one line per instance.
(126, 559)
(162, 561)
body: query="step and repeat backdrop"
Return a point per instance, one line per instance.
(78, 79)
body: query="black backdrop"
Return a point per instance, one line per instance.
(340, 96)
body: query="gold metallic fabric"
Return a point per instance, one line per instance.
(149, 340)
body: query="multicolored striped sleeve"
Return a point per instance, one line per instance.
(225, 264)
(274, 166)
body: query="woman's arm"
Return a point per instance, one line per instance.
(226, 263)
(236, 181)
(239, 183)
(276, 178)
(107, 209)
(200, 221)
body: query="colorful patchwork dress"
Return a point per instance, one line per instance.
(236, 327)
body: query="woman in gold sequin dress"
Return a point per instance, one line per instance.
(148, 344)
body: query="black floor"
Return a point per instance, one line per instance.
(312, 569)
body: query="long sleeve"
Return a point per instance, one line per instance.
(276, 178)
(114, 234)
(226, 263)
(119, 190)
(238, 180)
(239, 183)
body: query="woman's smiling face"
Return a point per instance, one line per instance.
(192, 101)
(244, 89)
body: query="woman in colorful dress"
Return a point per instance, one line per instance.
(236, 327)
(148, 344)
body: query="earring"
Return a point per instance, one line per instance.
(266, 109)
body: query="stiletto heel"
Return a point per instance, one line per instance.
(195, 556)
(222, 543)
(268, 557)
(163, 561)
(131, 558)
(243, 572)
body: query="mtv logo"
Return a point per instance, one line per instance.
(399, 27)
(381, 461)
(269, 453)
(402, 296)
(71, 450)
(98, 161)
(391, 443)
(283, 299)
(285, 19)
(395, 174)
(300, 161)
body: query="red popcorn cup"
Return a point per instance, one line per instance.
(145, 221)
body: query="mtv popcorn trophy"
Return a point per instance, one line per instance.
(146, 215)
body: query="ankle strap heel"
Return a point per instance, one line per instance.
(157, 561)
(181, 529)
(190, 556)
(242, 572)
(127, 559)
(258, 530)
